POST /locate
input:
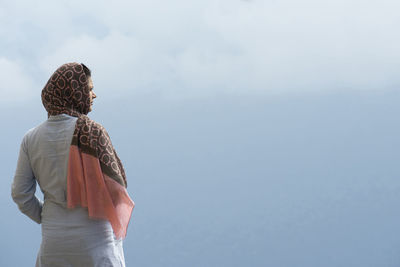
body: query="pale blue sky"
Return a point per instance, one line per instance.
(254, 133)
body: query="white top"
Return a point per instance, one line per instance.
(69, 237)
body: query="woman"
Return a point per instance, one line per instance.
(86, 208)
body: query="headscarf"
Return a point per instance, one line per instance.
(96, 178)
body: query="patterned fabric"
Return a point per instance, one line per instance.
(93, 139)
(96, 178)
(67, 91)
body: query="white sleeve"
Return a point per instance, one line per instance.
(24, 187)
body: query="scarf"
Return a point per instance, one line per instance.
(96, 178)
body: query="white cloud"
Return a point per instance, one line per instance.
(15, 85)
(198, 48)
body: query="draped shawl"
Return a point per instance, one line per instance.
(96, 178)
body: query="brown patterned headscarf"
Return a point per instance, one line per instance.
(67, 91)
(96, 178)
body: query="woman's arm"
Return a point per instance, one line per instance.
(24, 187)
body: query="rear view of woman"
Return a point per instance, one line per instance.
(86, 208)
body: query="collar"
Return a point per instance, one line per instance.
(59, 117)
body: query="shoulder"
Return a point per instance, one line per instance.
(89, 125)
(33, 131)
(30, 134)
(27, 136)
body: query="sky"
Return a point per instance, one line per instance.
(253, 133)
